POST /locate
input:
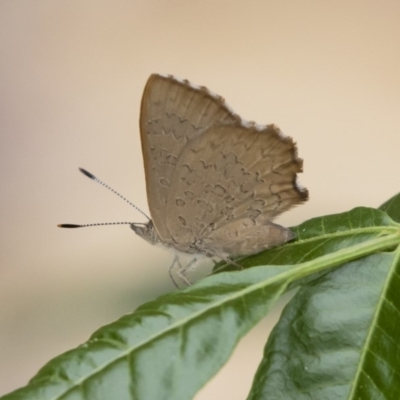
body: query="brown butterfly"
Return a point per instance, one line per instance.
(214, 181)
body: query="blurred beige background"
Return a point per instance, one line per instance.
(71, 79)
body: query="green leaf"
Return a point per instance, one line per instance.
(339, 337)
(337, 332)
(169, 348)
(392, 207)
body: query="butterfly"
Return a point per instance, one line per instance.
(214, 181)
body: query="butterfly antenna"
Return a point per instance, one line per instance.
(91, 176)
(97, 224)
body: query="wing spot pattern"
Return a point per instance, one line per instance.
(180, 202)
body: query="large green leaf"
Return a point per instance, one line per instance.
(338, 338)
(169, 348)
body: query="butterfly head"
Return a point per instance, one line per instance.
(146, 231)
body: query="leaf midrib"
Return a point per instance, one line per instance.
(178, 325)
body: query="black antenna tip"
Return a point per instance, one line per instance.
(87, 173)
(68, 226)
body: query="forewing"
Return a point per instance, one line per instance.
(173, 113)
(232, 173)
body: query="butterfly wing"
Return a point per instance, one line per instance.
(172, 114)
(228, 181)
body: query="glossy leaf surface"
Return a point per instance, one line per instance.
(338, 338)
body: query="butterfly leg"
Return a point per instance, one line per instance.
(189, 266)
(183, 271)
(231, 262)
(175, 261)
